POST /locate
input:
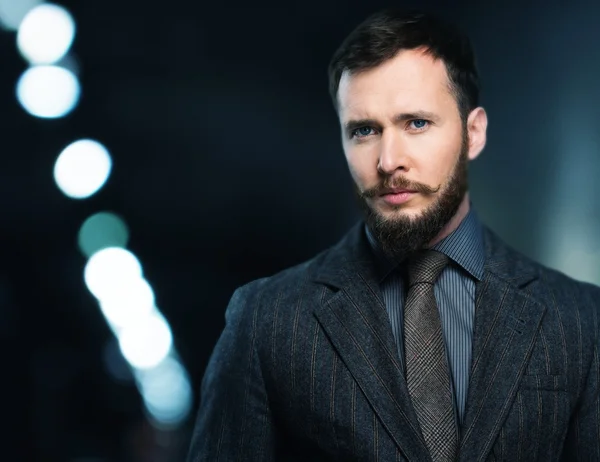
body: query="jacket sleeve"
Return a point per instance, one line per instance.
(234, 420)
(583, 437)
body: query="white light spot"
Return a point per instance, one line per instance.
(46, 33)
(145, 344)
(109, 269)
(166, 392)
(48, 92)
(128, 303)
(12, 12)
(82, 168)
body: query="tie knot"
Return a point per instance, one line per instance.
(425, 267)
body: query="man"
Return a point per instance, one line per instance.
(421, 335)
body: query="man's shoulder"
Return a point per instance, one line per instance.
(559, 279)
(563, 293)
(552, 283)
(568, 290)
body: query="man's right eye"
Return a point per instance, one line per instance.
(362, 132)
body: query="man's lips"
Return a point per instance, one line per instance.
(397, 196)
(397, 191)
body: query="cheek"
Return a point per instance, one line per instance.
(446, 154)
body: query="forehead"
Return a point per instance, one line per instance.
(412, 80)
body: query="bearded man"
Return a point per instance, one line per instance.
(421, 335)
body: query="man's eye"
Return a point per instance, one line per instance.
(419, 124)
(362, 132)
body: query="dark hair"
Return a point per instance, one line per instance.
(381, 36)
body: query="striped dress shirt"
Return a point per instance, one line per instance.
(455, 295)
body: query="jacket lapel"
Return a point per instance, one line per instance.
(356, 322)
(507, 319)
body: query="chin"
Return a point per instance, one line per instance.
(399, 211)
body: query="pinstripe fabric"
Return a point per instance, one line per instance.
(455, 296)
(307, 368)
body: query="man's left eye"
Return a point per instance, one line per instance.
(419, 123)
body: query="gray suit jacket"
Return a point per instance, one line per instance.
(307, 367)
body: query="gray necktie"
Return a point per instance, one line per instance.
(427, 372)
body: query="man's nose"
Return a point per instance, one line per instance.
(393, 154)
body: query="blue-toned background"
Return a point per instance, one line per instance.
(226, 166)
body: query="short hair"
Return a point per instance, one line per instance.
(381, 36)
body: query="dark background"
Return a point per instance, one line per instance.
(228, 167)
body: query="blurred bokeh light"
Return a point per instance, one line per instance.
(108, 270)
(146, 343)
(166, 392)
(46, 34)
(12, 12)
(102, 230)
(48, 92)
(82, 168)
(129, 303)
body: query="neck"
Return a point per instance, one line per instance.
(455, 221)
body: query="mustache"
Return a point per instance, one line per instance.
(398, 183)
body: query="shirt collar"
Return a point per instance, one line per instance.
(465, 246)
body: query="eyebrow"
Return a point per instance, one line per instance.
(398, 118)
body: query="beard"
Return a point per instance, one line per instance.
(402, 235)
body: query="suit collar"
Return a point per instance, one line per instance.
(506, 263)
(466, 246)
(350, 256)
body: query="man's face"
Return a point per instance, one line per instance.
(406, 147)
